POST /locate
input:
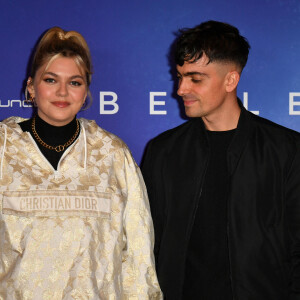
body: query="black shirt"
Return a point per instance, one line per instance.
(207, 275)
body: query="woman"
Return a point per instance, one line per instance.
(75, 221)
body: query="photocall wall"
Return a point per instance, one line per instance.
(134, 92)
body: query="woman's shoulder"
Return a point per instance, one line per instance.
(11, 125)
(95, 133)
(12, 121)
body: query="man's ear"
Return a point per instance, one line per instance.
(232, 80)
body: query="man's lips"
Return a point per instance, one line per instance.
(61, 104)
(189, 102)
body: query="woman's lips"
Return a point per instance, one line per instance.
(61, 104)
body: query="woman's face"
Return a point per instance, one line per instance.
(60, 91)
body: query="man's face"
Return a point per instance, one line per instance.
(202, 86)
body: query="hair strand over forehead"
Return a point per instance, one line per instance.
(218, 41)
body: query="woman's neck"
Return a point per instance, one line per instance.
(54, 135)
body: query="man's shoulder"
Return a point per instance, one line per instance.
(178, 132)
(273, 129)
(173, 141)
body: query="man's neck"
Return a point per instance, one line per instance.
(225, 119)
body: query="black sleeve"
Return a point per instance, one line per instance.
(293, 218)
(151, 169)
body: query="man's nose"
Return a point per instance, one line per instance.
(183, 87)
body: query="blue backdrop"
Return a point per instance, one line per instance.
(130, 41)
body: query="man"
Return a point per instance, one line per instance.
(224, 187)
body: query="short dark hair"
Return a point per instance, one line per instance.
(218, 41)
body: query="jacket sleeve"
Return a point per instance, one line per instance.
(151, 170)
(138, 267)
(293, 219)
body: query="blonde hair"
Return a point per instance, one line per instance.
(57, 42)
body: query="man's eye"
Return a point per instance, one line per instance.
(196, 80)
(49, 80)
(75, 83)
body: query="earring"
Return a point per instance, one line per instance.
(30, 99)
(84, 105)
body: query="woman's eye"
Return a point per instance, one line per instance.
(76, 83)
(49, 80)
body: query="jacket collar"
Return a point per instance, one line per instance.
(239, 140)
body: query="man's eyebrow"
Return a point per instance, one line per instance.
(192, 73)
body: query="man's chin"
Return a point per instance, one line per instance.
(192, 114)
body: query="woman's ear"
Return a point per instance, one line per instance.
(30, 87)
